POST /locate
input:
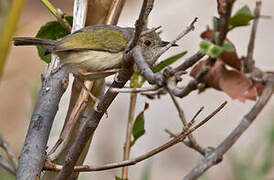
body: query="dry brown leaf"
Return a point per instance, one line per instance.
(232, 82)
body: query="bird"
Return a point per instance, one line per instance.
(95, 51)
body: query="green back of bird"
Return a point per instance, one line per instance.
(100, 39)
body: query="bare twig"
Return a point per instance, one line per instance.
(150, 30)
(192, 141)
(224, 10)
(4, 164)
(180, 36)
(4, 144)
(127, 145)
(58, 13)
(230, 140)
(187, 143)
(248, 63)
(187, 130)
(189, 62)
(135, 90)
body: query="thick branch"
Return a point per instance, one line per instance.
(218, 153)
(32, 157)
(33, 154)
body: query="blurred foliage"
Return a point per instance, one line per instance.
(8, 29)
(146, 172)
(4, 7)
(247, 168)
(5, 175)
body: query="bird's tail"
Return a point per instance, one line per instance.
(30, 41)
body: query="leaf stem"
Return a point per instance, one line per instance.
(58, 13)
(127, 146)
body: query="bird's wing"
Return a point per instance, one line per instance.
(93, 39)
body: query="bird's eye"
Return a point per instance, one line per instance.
(147, 43)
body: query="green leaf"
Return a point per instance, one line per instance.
(241, 17)
(168, 62)
(210, 49)
(139, 125)
(51, 30)
(227, 46)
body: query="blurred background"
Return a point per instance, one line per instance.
(20, 85)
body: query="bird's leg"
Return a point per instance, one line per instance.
(95, 99)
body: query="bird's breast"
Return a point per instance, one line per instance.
(90, 60)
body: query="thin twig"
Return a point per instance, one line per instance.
(58, 13)
(150, 30)
(187, 142)
(248, 63)
(217, 154)
(178, 139)
(189, 62)
(135, 90)
(192, 141)
(180, 36)
(4, 144)
(224, 10)
(4, 164)
(127, 145)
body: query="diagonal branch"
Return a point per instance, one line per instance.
(215, 156)
(186, 131)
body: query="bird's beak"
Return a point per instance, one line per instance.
(164, 43)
